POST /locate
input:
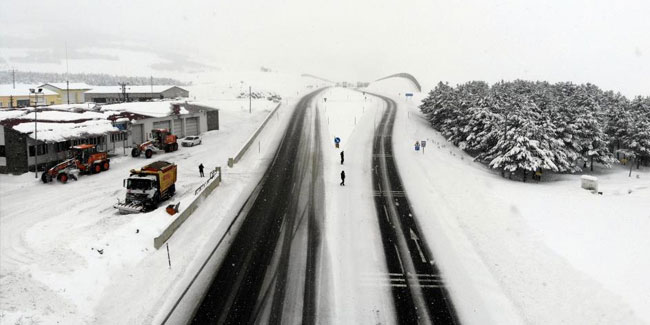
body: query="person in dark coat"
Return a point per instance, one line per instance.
(201, 169)
(342, 157)
(342, 178)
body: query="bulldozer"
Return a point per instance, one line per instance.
(162, 139)
(85, 159)
(147, 187)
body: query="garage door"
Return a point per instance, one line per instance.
(177, 128)
(163, 125)
(192, 126)
(137, 134)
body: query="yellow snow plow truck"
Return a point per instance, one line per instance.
(147, 187)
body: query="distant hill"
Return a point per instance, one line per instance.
(95, 79)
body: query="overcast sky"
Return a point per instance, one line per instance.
(602, 42)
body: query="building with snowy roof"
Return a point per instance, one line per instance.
(113, 128)
(115, 94)
(68, 92)
(21, 96)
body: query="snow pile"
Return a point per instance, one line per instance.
(153, 109)
(55, 132)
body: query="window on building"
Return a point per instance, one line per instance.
(2, 151)
(22, 102)
(62, 146)
(42, 149)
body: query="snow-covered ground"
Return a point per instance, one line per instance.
(354, 256)
(535, 253)
(511, 252)
(51, 268)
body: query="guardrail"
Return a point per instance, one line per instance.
(242, 151)
(212, 174)
(207, 188)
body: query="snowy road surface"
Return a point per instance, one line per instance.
(270, 271)
(418, 288)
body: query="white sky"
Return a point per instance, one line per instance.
(603, 42)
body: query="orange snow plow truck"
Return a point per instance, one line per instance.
(147, 187)
(162, 139)
(85, 159)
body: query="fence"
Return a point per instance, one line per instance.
(203, 191)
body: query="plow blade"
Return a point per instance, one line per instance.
(129, 208)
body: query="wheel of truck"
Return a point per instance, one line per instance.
(135, 152)
(63, 178)
(153, 203)
(174, 146)
(172, 190)
(148, 153)
(46, 178)
(106, 165)
(96, 168)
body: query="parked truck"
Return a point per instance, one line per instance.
(85, 159)
(147, 187)
(161, 139)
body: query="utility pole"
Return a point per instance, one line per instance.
(123, 86)
(151, 87)
(13, 77)
(250, 101)
(33, 91)
(67, 74)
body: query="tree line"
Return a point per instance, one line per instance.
(531, 126)
(95, 79)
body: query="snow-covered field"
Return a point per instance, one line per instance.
(535, 253)
(67, 256)
(511, 252)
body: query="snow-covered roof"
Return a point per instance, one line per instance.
(59, 116)
(21, 90)
(8, 114)
(53, 132)
(153, 109)
(73, 107)
(129, 89)
(71, 86)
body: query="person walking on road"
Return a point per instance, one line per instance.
(342, 157)
(201, 169)
(342, 178)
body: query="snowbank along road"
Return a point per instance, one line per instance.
(270, 272)
(418, 290)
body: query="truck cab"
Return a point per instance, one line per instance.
(148, 186)
(142, 189)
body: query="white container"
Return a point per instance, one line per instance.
(589, 182)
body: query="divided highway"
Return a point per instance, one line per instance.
(270, 272)
(418, 291)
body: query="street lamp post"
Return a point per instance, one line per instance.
(36, 92)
